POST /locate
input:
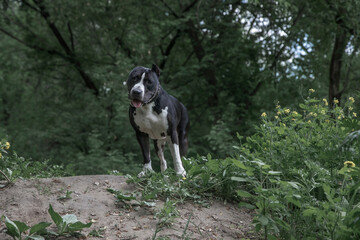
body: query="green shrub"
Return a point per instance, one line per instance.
(14, 166)
(293, 169)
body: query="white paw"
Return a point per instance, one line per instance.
(181, 173)
(163, 166)
(146, 169)
(141, 174)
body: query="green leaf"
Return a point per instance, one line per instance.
(78, 226)
(303, 106)
(121, 196)
(36, 237)
(55, 217)
(244, 194)
(21, 226)
(327, 190)
(69, 218)
(263, 220)
(239, 179)
(310, 211)
(149, 196)
(246, 205)
(39, 227)
(294, 185)
(239, 164)
(12, 228)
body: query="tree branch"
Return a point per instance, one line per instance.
(71, 37)
(168, 49)
(88, 81)
(35, 47)
(279, 53)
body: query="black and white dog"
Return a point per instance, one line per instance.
(156, 114)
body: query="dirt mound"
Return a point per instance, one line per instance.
(28, 201)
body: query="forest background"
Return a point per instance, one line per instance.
(63, 65)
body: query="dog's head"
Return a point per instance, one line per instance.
(143, 85)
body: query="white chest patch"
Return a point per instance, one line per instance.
(150, 122)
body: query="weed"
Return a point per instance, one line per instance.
(98, 233)
(67, 225)
(16, 229)
(67, 196)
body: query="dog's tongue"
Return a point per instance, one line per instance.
(136, 103)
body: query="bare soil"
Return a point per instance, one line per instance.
(28, 201)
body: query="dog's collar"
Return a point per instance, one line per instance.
(154, 95)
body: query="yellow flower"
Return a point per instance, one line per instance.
(276, 117)
(287, 110)
(278, 106)
(352, 99)
(7, 145)
(351, 108)
(184, 178)
(354, 114)
(323, 111)
(336, 101)
(349, 164)
(264, 114)
(339, 117)
(311, 90)
(278, 113)
(325, 101)
(295, 112)
(309, 121)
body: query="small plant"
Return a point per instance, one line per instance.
(166, 216)
(13, 166)
(16, 230)
(288, 171)
(126, 198)
(67, 196)
(3, 147)
(67, 223)
(98, 233)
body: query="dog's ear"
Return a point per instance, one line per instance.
(156, 69)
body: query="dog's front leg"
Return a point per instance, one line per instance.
(159, 148)
(175, 152)
(143, 140)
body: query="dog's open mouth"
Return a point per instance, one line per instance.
(136, 103)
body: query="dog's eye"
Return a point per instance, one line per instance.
(148, 81)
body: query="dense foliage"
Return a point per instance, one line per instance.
(63, 64)
(298, 171)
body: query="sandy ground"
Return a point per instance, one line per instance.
(28, 201)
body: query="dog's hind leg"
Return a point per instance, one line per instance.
(175, 152)
(159, 148)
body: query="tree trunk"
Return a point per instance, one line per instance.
(336, 65)
(208, 71)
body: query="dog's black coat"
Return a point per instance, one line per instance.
(157, 115)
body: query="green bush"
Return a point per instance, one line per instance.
(14, 166)
(299, 169)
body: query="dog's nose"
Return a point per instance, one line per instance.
(136, 92)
